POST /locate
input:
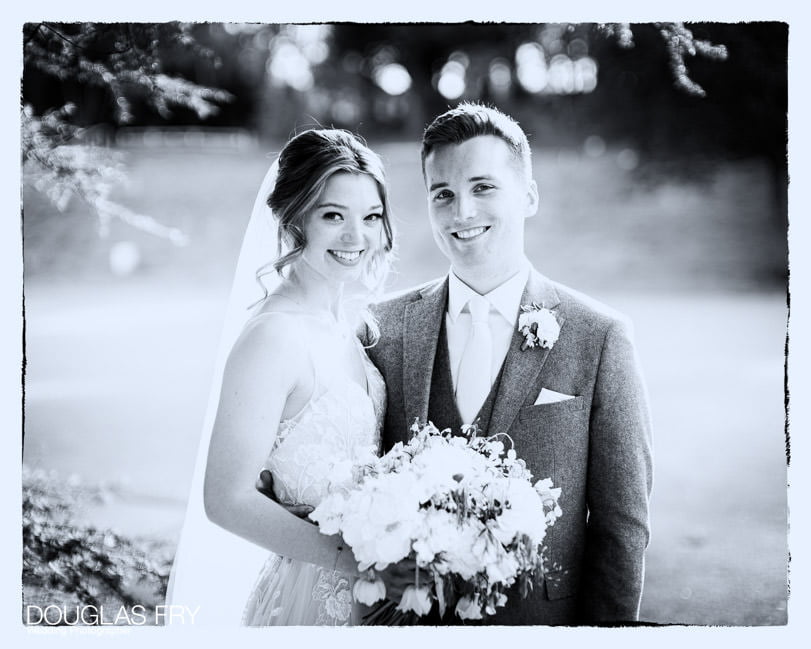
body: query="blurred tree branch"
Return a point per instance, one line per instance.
(124, 61)
(680, 42)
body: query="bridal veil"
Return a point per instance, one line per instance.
(214, 570)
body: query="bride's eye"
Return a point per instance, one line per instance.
(373, 218)
(332, 216)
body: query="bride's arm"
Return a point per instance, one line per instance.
(265, 380)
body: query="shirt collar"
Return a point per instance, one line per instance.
(505, 298)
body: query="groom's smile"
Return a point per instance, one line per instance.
(470, 233)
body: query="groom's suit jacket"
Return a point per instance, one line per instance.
(596, 446)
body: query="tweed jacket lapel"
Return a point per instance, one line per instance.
(422, 322)
(522, 368)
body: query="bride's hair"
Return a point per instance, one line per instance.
(306, 162)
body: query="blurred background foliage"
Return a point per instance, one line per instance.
(69, 563)
(665, 89)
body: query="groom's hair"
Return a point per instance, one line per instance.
(469, 120)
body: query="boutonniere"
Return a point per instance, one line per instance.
(539, 326)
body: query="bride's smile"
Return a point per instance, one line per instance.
(346, 257)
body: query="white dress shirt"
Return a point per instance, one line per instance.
(504, 303)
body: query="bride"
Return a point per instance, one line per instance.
(298, 395)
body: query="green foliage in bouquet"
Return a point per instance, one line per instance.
(65, 562)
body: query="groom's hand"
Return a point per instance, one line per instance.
(264, 485)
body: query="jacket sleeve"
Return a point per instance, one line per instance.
(618, 485)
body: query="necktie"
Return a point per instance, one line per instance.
(474, 382)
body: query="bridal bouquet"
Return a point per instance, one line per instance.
(463, 508)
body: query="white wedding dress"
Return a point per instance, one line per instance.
(214, 569)
(339, 424)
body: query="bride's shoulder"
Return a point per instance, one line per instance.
(268, 341)
(271, 333)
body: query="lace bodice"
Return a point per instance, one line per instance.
(337, 429)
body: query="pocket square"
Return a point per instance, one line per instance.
(550, 396)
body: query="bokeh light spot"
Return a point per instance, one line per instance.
(585, 74)
(288, 66)
(125, 257)
(392, 78)
(531, 67)
(451, 84)
(561, 74)
(500, 76)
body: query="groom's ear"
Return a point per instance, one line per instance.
(533, 199)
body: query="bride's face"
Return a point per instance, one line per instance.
(345, 227)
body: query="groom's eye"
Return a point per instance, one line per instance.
(443, 195)
(482, 187)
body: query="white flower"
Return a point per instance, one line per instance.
(523, 511)
(495, 599)
(444, 465)
(368, 591)
(416, 599)
(329, 513)
(500, 599)
(539, 326)
(377, 520)
(446, 543)
(437, 528)
(549, 496)
(467, 608)
(459, 554)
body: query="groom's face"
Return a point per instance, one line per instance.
(478, 197)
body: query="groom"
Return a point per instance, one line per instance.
(451, 353)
